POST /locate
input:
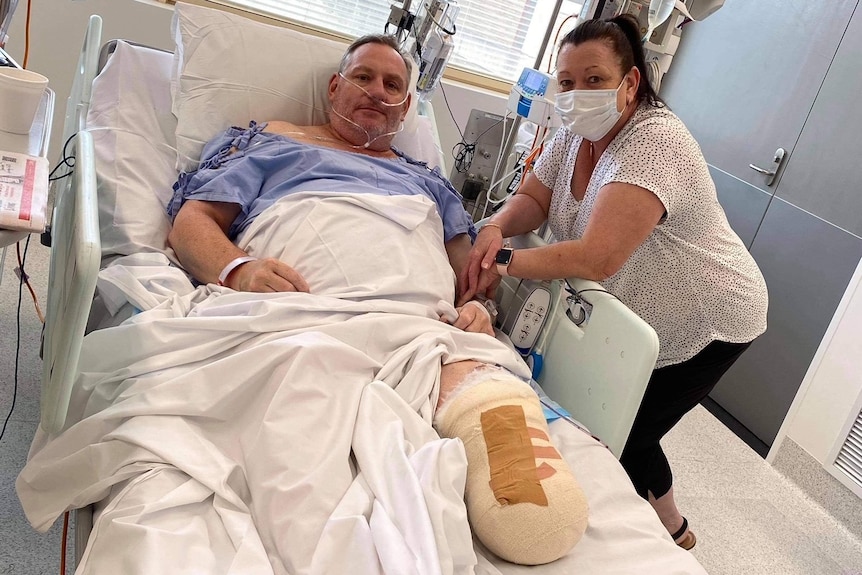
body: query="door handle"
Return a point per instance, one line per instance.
(770, 174)
(763, 171)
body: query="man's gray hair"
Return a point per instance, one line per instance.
(383, 39)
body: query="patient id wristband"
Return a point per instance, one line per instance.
(232, 265)
(488, 305)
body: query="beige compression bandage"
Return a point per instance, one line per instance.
(523, 502)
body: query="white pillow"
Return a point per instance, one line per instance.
(229, 70)
(133, 132)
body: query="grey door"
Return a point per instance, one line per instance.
(750, 79)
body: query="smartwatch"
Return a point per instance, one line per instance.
(504, 258)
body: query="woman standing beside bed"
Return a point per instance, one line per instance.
(627, 194)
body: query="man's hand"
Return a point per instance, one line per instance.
(479, 275)
(267, 275)
(473, 317)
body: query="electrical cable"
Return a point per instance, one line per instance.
(63, 543)
(577, 293)
(574, 302)
(439, 25)
(464, 156)
(26, 279)
(451, 115)
(17, 348)
(66, 160)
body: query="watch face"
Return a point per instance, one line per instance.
(504, 256)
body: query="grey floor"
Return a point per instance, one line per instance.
(748, 518)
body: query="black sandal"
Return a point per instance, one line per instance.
(683, 539)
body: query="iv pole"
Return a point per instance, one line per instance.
(516, 121)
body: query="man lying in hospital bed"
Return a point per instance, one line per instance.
(216, 429)
(334, 211)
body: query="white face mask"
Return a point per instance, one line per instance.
(589, 113)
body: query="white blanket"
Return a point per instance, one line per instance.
(274, 433)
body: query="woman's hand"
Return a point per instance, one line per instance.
(473, 317)
(480, 276)
(266, 275)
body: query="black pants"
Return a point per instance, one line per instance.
(672, 392)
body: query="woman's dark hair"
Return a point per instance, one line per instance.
(622, 34)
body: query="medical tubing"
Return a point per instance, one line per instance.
(530, 151)
(506, 138)
(490, 202)
(208, 87)
(368, 142)
(496, 169)
(503, 139)
(512, 172)
(153, 144)
(569, 419)
(378, 100)
(554, 45)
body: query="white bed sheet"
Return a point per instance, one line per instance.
(210, 417)
(622, 537)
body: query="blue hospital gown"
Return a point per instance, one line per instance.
(267, 166)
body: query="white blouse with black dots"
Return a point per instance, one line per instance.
(692, 279)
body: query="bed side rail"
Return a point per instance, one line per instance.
(598, 371)
(74, 266)
(77, 105)
(78, 102)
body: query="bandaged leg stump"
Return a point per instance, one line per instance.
(523, 502)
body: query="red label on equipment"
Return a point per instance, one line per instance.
(27, 192)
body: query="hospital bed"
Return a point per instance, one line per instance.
(593, 357)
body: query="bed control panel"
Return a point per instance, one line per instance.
(531, 318)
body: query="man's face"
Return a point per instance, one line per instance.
(374, 76)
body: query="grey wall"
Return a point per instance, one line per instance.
(753, 77)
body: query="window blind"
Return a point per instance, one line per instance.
(496, 38)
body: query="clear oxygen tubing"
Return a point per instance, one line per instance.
(368, 138)
(517, 148)
(504, 137)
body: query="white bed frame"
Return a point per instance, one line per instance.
(598, 371)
